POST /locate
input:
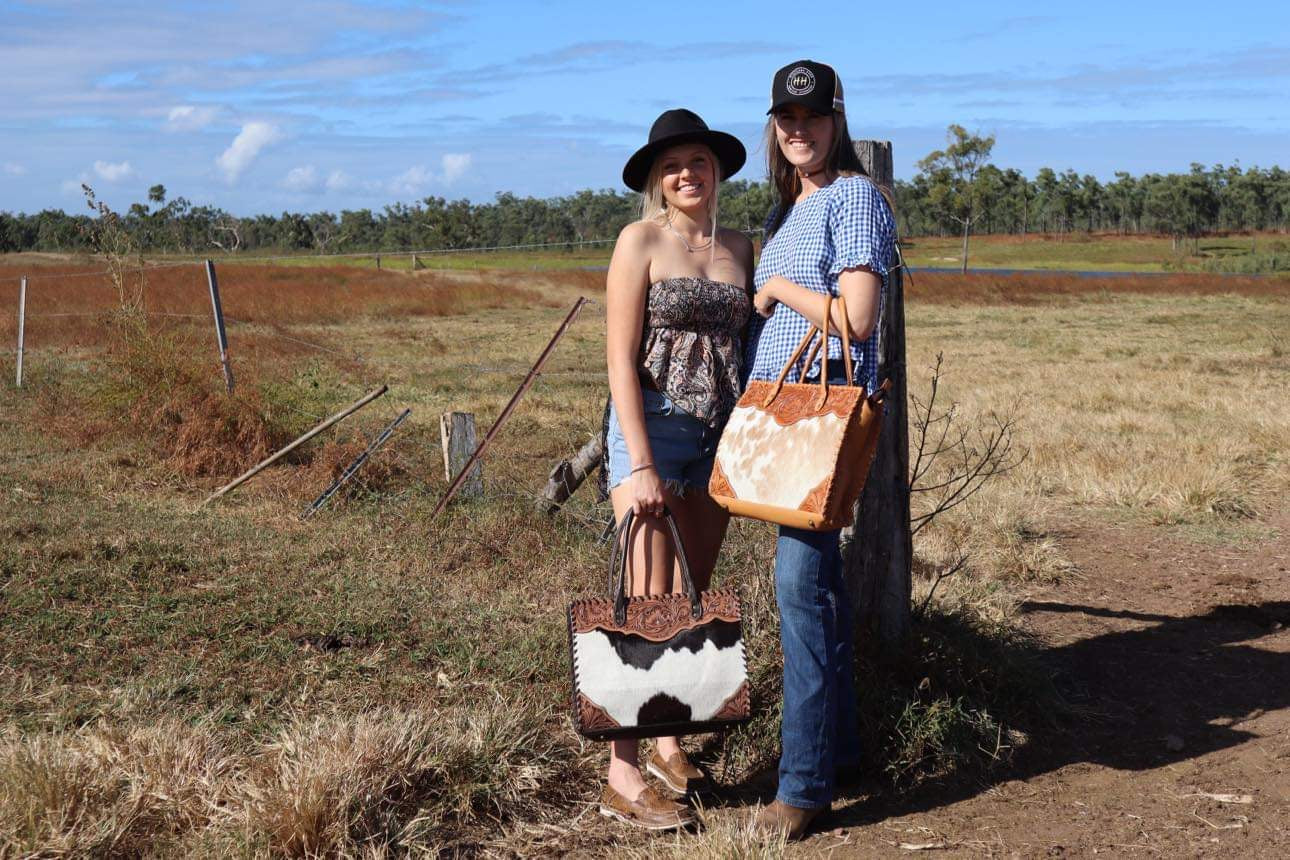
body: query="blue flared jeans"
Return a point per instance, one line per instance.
(820, 726)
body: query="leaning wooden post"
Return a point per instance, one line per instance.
(510, 405)
(568, 475)
(220, 336)
(269, 461)
(457, 430)
(879, 564)
(22, 324)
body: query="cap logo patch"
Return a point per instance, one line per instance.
(801, 81)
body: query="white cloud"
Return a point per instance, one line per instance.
(455, 165)
(244, 149)
(419, 178)
(414, 180)
(14, 169)
(339, 180)
(109, 172)
(302, 179)
(189, 118)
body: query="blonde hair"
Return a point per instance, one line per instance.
(654, 206)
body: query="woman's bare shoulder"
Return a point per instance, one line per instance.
(639, 234)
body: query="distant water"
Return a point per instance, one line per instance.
(954, 270)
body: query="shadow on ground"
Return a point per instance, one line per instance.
(1176, 689)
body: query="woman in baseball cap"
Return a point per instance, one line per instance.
(678, 299)
(831, 233)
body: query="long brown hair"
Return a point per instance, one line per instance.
(842, 161)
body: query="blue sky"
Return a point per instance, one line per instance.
(267, 106)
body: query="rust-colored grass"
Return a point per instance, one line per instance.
(985, 288)
(66, 304)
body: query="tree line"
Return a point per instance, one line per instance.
(957, 190)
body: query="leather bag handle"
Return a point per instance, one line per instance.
(618, 567)
(815, 349)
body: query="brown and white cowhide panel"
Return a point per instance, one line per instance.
(687, 678)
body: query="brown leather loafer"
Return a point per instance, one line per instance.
(677, 773)
(780, 818)
(648, 810)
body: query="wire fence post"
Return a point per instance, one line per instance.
(220, 335)
(22, 324)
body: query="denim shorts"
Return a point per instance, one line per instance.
(683, 447)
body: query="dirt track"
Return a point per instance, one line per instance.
(1176, 655)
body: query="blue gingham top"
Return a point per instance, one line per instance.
(843, 225)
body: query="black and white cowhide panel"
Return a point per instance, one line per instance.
(638, 682)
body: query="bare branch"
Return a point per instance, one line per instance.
(941, 576)
(962, 466)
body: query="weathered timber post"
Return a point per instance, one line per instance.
(878, 566)
(458, 432)
(22, 324)
(220, 336)
(569, 474)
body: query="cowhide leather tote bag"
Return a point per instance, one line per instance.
(657, 665)
(797, 454)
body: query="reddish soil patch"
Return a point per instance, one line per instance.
(1025, 288)
(1175, 657)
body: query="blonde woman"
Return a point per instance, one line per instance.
(678, 298)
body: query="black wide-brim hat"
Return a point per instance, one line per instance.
(675, 127)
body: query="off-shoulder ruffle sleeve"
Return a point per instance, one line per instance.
(861, 228)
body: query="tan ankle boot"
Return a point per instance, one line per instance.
(791, 821)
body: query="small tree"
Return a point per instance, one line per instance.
(954, 178)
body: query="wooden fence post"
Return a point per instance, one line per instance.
(510, 405)
(378, 262)
(458, 432)
(22, 324)
(220, 336)
(878, 568)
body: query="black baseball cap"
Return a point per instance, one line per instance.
(806, 82)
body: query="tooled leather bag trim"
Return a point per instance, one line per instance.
(737, 707)
(718, 484)
(591, 717)
(837, 506)
(656, 617)
(796, 401)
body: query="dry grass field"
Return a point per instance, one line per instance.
(232, 681)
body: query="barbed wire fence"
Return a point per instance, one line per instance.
(507, 475)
